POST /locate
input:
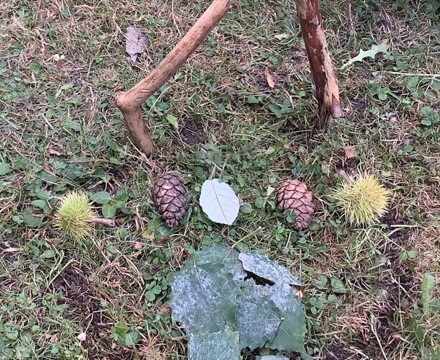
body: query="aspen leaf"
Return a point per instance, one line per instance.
(219, 202)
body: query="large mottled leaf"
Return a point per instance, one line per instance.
(267, 269)
(203, 298)
(272, 357)
(221, 254)
(221, 345)
(290, 334)
(258, 318)
(219, 202)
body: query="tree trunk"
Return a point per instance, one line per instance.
(326, 83)
(130, 102)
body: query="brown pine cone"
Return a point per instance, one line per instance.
(293, 195)
(170, 198)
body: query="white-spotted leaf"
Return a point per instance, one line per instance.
(221, 345)
(258, 318)
(267, 269)
(219, 202)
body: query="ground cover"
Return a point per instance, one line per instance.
(365, 287)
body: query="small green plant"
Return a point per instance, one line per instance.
(228, 301)
(363, 199)
(125, 336)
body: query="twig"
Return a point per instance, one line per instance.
(102, 221)
(130, 102)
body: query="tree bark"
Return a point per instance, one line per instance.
(326, 83)
(129, 102)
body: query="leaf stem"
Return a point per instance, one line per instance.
(102, 221)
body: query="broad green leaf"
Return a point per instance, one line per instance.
(290, 334)
(156, 229)
(267, 269)
(101, 197)
(338, 286)
(11, 333)
(47, 177)
(258, 318)
(219, 202)
(4, 169)
(428, 284)
(221, 345)
(272, 357)
(131, 338)
(120, 329)
(31, 220)
(42, 204)
(203, 299)
(173, 121)
(108, 211)
(372, 52)
(221, 254)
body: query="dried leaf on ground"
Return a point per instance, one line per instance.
(135, 42)
(372, 52)
(350, 152)
(270, 80)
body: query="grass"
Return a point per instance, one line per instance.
(60, 63)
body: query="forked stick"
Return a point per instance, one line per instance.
(129, 102)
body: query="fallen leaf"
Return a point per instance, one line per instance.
(53, 338)
(372, 52)
(53, 151)
(391, 116)
(137, 245)
(270, 80)
(164, 309)
(282, 36)
(135, 42)
(299, 293)
(350, 152)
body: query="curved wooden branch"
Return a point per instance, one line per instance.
(326, 83)
(129, 102)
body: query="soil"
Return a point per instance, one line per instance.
(192, 132)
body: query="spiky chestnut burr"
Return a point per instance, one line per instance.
(74, 216)
(362, 199)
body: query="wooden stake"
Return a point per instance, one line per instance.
(326, 83)
(129, 102)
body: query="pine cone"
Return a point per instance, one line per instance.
(293, 195)
(170, 198)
